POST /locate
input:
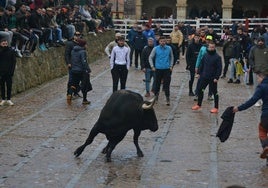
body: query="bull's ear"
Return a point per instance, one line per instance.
(148, 104)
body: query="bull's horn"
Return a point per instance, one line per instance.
(150, 105)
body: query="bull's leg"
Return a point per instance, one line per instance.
(111, 145)
(89, 140)
(104, 150)
(136, 142)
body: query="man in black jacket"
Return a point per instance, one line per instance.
(209, 71)
(7, 68)
(146, 68)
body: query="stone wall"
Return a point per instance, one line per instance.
(48, 65)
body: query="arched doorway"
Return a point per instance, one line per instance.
(159, 8)
(163, 12)
(248, 8)
(203, 10)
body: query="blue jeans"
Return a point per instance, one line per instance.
(149, 74)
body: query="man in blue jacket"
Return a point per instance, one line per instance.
(261, 92)
(161, 60)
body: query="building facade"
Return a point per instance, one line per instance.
(183, 9)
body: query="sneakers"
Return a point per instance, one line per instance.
(168, 101)
(258, 104)
(237, 81)
(191, 93)
(3, 102)
(69, 97)
(210, 98)
(18, 53)
(8, 102)
(86, 102)
(214, 110)
(196, 107)
(264, 153)
(230, 80)
(147, 94)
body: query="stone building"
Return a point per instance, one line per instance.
(183, 9)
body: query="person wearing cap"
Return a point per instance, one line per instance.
(108, 49)
(79, 71)
(7, 68)
(161, 60)
(120, 63)
(258, 60)
(67, 56)
(261, 93)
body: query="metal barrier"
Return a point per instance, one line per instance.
(124, 25)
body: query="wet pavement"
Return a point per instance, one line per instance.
(40, 133)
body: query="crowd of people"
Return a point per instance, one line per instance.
(27, 25)
(244, 53)
(30, 24)
(156, 54)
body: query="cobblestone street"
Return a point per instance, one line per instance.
(39, 134)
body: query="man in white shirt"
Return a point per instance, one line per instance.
(120, 63)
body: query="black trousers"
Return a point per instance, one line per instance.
(6, 85)
(165, 75)
(119, 72)
(137, 55)
(214, 89)
(226, 65)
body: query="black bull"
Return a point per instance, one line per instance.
(124, 110)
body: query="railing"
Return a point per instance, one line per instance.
(124, 25)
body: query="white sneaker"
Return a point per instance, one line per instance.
(258, 104)
(18, 52)
(3, 102)
(10, 103)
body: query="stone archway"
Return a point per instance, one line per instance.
(163, 12)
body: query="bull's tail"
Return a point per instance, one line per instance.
(89, 140)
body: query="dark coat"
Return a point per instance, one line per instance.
(226, 126)
(7, 61)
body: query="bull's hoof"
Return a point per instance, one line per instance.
(104, 151)
(78, 151)
(108, 159)
(140, 154)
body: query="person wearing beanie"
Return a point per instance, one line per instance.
(258, 61)
(67, 56)
(7, 68)
(80, 71)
